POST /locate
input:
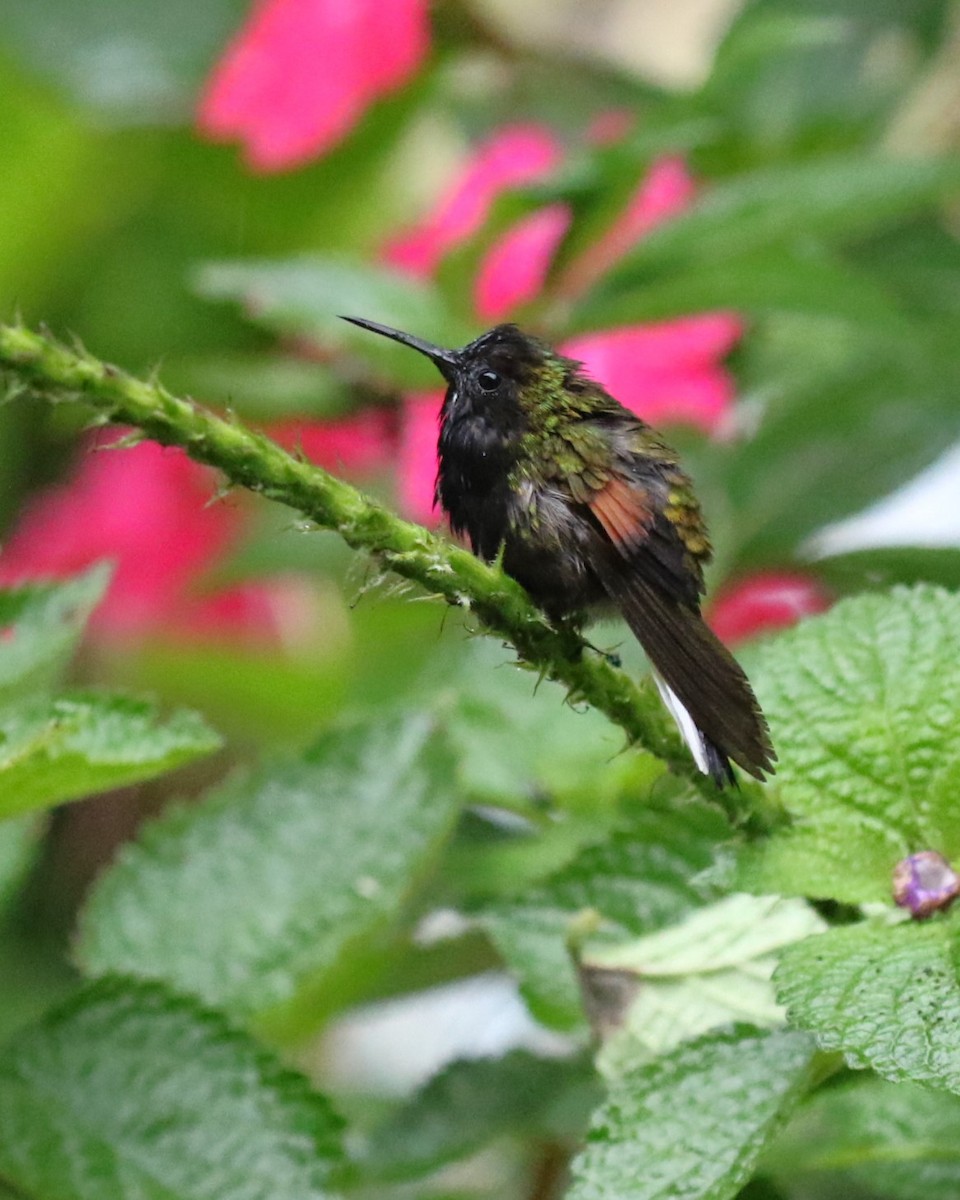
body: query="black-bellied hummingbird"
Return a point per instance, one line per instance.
(589, 508)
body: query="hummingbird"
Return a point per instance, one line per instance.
(589, 510)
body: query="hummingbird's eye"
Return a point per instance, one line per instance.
(489, 381)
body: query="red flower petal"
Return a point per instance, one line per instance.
(666, 190)
(268, 614)
(515, 155)
(417, 459)
(669, 372)
(145, 507)
(358, 444)
(685, 342)
(766, 602)
(300, 73)
(610, 126)
(515, 268)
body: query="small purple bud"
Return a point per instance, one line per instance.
(924, 883)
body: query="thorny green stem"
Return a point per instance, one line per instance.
(251, 460)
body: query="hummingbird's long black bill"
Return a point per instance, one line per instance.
(446, 361)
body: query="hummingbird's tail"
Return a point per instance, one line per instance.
(708, 757)
(702, 684)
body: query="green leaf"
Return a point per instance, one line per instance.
(287, 866)
(519, 738)
(791, 76)
(896, 1140)
(471, 1103)
(828, 198)
(263, 387)
(132, 63)
(757, 284)
(18, 841)
(642, 878)
(886, 996)
(828, 394)
(272, 699)
(919, 263)
(40, 626)
(34, 973)
(305, 296)
(53, 750)
(862, 703)
(711, 969)
(598, 186)
(691, 1125)
(129, 1091)
(884, 566)
(922, 17)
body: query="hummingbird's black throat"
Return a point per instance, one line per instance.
(471, 487)
(482, 422)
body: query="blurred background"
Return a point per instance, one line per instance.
(742, 216)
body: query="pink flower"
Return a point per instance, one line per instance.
(516, 155)
(356, 445)
(281, 611)
(149, 510)
(300, 74)
(666, 191)
(515, 268)
(417, 457)
(145, 507)
(668, 372)
(610, 126)
(765, 602)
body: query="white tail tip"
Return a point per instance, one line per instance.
(688, 730)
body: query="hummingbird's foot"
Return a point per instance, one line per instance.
(570, 628)
(611, 657)
(571, 625)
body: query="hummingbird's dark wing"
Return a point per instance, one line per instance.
(653, 545)
(632, 511)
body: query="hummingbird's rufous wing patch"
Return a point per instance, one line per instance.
(624, 510)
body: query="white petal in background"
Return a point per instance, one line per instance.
(925, 512)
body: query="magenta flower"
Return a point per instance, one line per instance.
(148, 510)
(515, 268)
(417, 456)
(765, 602)
(282, 612)
(355, 445)
(668, 372)
(144, 507)
(666, 191)
(515, 155)
(301, 73)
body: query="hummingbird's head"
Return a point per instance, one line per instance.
(499, 373)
